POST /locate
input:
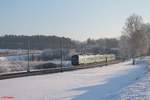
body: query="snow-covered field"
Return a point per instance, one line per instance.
(140, 90)
(13, 66)
(17, 60)
(14, 58)
(101, 83)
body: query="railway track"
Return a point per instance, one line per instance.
(55, 70)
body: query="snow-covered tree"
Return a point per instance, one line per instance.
(134, 37)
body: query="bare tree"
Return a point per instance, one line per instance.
(135, 37)
(124, 47)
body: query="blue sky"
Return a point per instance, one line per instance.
(77, 19)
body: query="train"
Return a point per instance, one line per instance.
(88, 59)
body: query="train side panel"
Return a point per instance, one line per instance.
(86, 59)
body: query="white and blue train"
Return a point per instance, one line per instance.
(87, 59)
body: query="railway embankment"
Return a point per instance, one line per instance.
(55, 70)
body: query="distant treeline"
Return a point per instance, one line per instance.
(34, 42)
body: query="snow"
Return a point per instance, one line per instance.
(140, 90)
(14, 58)
(16, 66)
(17, 60)
(101, 83)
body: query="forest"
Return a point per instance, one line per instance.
(34, 42)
